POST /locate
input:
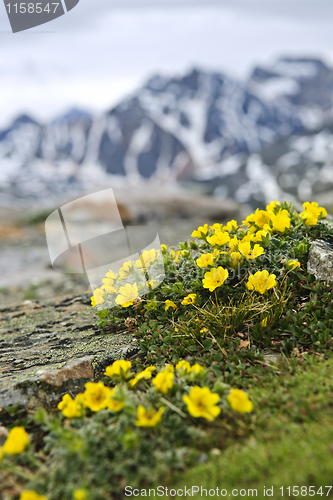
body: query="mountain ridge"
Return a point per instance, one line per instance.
(199, 127)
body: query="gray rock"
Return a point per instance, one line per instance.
(320, 261)
(41, 359)
(154, 202)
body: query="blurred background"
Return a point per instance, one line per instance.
(194, 111)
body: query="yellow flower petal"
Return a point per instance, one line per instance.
(148, 418)
(190, 299)
(201, 402)
(261, 281)
(164, 381)
(215, 278)
(118, 369)
(169, 303)
(239, 401)
(31, 495)
(127, 294)
(16, 441)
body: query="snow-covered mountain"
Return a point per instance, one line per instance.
(202, 127)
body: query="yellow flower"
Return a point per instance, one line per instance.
(183, 367)
(1, 454)
(169, 303)
(231, 226)
(145, 374)
(98, 297)
(260, 235)
(127, 294)
(317, 212)
(197, 369)
(126, 270)
(261, 281)
(79, 495)
(264, 322)
(236, 258)
(201, 402)
(115, 404)
(31, 495)
(96, 396)
(309, 218)
(205, 260)
(148, 418)
(109, 280)
(215, 278)
(190, 299)
(169, 368)
(239, 401)
(216, 227)
(109, 289)
(164, 380)
(200, 232)
(216, 253)
(249, 220)
(281, 221)
(261, 218)
(293, 264)
(177, 255)
(271, 206)
(16, 441)
(311, 213)
(233, 243)
(148, 257)
(71, 408)
(252, 229)
(248, 237)
(245, 249)
(220, 238)
(118, 369)
(164, 248)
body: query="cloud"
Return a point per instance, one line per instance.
(103, 49)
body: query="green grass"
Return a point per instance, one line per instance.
(291, 442)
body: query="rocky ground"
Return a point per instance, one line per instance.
(54, 347)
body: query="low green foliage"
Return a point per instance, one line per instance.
(292, 442)
(230, 328)
(236, 309)
(143, 427)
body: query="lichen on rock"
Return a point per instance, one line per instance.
(320, 261)
(54, 347)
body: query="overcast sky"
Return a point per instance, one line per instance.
(103, 49)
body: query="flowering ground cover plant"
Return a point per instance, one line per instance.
(233, 291)
(231, 294)
(123, 288)
(130, 428)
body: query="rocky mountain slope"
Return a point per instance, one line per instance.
(201, 127)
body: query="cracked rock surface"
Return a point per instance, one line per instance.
(320, 261)
(50, 348)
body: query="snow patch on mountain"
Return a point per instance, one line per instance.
(267, 137)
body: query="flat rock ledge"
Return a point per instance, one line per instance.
(320, 261)
(48, 349)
